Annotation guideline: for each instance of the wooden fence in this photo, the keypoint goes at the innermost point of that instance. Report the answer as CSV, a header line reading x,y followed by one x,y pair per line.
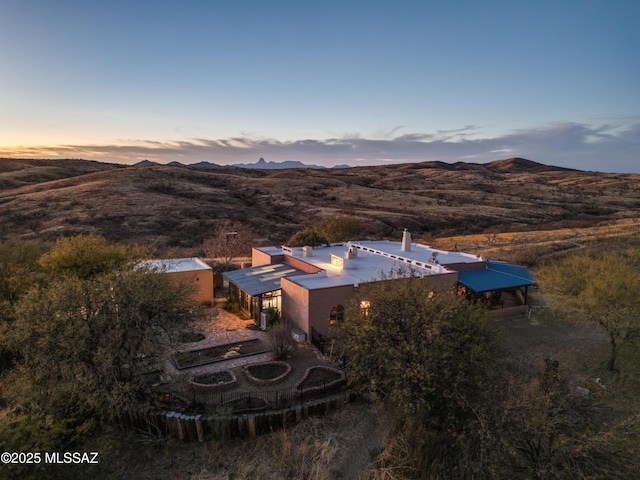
x,y
199,427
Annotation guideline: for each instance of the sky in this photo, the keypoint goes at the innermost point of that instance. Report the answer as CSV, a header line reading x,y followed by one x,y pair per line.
x,y
326,83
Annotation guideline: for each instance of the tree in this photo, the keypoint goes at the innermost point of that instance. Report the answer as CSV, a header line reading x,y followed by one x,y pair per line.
x,y
435,357
436,360
339,228
104,330
602,289
19,271
551,428
84,340
229,241
330,229
85,256
307,237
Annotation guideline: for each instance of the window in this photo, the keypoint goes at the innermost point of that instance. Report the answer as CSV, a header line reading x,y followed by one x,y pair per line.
x,y
336,314
272,299
364,307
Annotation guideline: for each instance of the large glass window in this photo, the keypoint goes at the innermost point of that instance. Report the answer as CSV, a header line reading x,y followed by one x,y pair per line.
x,y
245,300
272,300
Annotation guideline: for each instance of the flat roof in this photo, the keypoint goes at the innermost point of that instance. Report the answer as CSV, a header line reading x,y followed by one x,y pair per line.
x,y
496,276
373,260
419,252
376,259
173,265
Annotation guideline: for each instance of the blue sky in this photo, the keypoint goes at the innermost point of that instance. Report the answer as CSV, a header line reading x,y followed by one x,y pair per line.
x,y
324,82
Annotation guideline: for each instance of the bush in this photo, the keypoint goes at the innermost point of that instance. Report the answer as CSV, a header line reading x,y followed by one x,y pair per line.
x,y
282,344
273,317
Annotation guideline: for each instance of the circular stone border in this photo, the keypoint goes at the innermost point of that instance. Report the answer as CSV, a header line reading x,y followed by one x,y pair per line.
x,y
214,387
342,378
269,381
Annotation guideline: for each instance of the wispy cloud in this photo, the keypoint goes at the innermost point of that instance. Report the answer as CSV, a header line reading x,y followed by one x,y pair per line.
x,y
606,147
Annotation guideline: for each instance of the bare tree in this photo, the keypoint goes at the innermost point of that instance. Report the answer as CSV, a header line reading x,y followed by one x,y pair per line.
x,y
229,241
600,288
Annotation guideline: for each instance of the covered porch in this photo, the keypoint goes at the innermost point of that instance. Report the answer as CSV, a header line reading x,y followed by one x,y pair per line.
x,y
501,285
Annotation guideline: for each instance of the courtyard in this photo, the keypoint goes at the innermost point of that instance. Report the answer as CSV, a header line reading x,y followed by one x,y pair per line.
x,y
219,329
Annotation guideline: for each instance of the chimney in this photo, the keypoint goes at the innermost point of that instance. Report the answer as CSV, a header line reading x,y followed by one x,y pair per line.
x,y
351,253
307,251
406,241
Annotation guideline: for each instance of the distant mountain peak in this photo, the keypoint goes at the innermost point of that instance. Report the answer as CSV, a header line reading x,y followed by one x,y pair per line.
x,y
519,165
263,164
145,163
204,164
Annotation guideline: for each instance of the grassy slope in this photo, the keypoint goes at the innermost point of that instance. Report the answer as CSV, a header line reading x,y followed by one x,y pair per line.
x,y
556,211
172,206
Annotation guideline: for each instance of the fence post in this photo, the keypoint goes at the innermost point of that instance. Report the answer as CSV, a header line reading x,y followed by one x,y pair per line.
x,y
180,424
251,423
199,429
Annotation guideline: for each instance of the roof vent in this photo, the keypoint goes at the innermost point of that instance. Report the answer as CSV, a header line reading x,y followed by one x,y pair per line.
x,y
406,241
307,251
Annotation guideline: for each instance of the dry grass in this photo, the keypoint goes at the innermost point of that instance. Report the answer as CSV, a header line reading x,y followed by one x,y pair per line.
x,y
524,215
336,446
532,248
177,207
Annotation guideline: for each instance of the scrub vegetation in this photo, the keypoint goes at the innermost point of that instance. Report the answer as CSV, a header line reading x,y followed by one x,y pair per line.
x,y
175,208
81,327
452,396
455,394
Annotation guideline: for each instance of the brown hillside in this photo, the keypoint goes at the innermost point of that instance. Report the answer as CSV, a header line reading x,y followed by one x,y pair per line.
x,y
17,173
177,206
520,165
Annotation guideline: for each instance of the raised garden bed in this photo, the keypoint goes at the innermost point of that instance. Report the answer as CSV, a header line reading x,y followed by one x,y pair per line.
x,y
267,373
217,353
214,382
319,378
247,404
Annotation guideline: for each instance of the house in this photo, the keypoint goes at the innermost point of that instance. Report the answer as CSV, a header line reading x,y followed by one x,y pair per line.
x,y
311,286
192,271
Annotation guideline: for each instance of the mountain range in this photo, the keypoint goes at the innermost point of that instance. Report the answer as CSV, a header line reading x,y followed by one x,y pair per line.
x,y
177,206
261,163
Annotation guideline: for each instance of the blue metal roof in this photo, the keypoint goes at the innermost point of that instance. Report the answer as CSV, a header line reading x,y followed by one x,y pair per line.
x,y
497,276
262,279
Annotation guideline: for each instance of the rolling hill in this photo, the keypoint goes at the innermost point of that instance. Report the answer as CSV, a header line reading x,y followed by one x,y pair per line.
x,y
177,206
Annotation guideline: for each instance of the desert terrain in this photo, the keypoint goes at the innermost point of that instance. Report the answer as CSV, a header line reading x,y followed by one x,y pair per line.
x,y
176,207
511,209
